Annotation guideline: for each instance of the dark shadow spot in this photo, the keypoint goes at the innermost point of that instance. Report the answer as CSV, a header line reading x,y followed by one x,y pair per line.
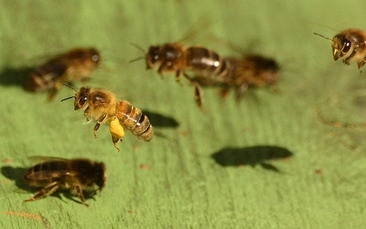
x,y
160,120
16,175
253,155
10,76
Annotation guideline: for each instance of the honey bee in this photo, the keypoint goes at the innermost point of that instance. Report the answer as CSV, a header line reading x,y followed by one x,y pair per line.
x,y
74,65
80,176
211,69
104,108
349,45
252,70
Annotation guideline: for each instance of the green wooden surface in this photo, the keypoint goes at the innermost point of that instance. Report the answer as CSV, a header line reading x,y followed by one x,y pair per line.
x,y
173,181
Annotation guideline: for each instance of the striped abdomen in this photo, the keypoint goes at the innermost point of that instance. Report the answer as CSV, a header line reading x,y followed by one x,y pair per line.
x,y
255,70
206,63
134,120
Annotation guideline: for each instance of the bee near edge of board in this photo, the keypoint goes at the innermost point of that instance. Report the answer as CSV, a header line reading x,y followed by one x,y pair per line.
x,y
74,65
103,107
349,45
80,176
211,69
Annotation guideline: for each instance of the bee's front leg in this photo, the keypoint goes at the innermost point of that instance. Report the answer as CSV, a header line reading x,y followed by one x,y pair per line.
x,y
76,190
360,64
241,91
346,61
54,90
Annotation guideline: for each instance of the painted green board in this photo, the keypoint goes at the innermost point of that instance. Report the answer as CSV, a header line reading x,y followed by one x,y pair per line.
x,y
222,168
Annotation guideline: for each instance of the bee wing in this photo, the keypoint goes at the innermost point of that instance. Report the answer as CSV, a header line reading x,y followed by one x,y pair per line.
x,y
55,169
42,59
40,159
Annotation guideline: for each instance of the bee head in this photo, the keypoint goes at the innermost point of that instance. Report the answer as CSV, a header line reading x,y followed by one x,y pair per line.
x,y
94,56
100,175
153,56
166,56
341,46
85,56
81,98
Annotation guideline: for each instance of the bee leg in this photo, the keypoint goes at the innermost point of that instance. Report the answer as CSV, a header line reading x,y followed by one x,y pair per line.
x,y
224,91
86,113
346,61
198,94
54,91
97,125
160,69
76,190
360,64
46,191
241,91
177,75
115,141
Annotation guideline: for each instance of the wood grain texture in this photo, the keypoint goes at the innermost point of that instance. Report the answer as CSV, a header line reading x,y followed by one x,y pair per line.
x,y
176,181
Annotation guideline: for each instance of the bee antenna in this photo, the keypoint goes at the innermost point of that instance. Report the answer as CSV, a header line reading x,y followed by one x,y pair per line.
x,y
139,48
69,86
68,98
137,59
322,36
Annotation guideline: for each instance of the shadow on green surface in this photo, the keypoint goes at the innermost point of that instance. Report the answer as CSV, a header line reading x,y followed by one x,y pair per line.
x,y
252,155
16,174
10,76
160,120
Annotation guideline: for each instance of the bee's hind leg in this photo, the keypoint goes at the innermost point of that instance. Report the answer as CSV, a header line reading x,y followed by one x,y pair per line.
x,y
46,191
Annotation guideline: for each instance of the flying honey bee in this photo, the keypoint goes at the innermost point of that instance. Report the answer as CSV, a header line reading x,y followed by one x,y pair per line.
x,y
80,176
104,108
349,45
211,69
74,65
252,70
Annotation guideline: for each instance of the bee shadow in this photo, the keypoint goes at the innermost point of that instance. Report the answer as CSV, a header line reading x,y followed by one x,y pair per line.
x,y
160,120
10,76
252,155
16,174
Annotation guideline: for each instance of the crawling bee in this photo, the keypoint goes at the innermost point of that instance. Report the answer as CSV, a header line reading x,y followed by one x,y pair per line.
x,y
74,65
349,45
78,175
210,69
103,107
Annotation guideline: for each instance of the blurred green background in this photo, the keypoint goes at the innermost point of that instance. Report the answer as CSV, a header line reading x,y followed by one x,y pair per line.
x,y
266,162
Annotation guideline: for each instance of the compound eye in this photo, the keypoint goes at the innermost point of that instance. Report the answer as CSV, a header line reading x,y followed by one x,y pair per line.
x,y
95,58
156,57
346,46
154,54
82,100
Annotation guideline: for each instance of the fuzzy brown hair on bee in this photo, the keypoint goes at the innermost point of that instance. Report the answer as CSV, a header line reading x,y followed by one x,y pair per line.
x,y
208,68
66,68
103,107
349,45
